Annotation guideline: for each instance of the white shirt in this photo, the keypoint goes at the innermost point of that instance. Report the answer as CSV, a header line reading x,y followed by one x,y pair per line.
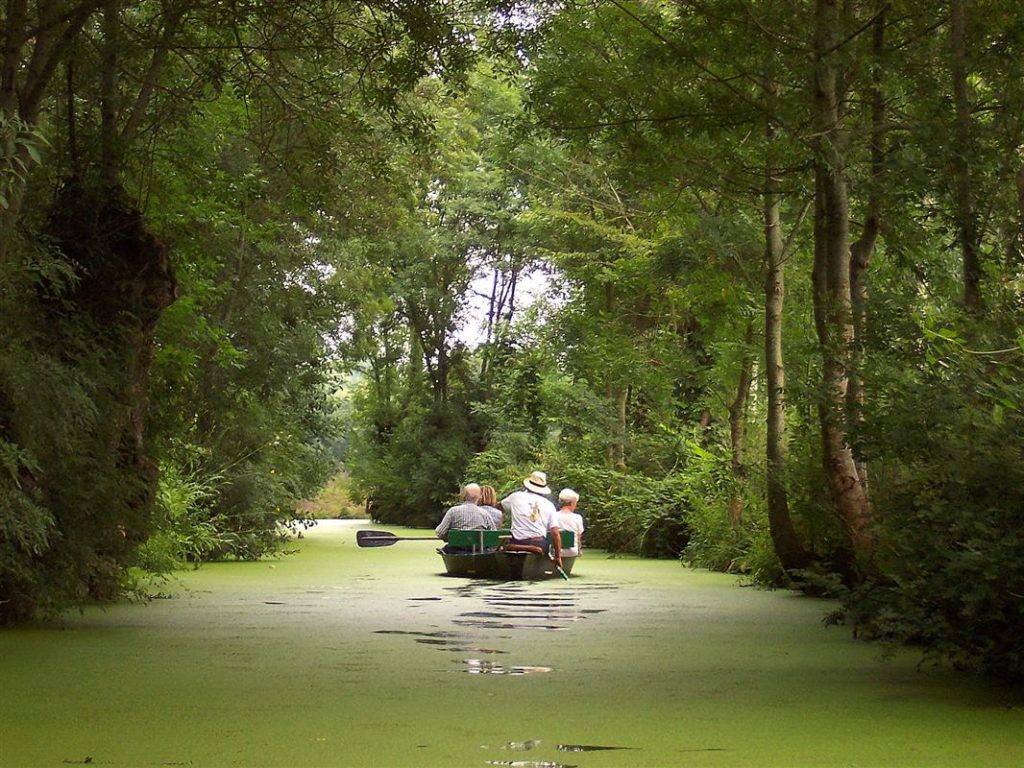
x,y
571,521
532,514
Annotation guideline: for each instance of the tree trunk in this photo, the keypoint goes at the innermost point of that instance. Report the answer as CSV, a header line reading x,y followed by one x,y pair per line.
x,y
785,541
863,249
109,151
32,49
1014,251
622,401
126,284
968,230
738,429
832,291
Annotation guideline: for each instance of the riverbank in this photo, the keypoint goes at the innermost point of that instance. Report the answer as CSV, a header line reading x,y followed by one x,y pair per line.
x,y
336,656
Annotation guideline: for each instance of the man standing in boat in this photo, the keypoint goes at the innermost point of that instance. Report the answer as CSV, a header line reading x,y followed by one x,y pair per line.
x,y
533,516
465,516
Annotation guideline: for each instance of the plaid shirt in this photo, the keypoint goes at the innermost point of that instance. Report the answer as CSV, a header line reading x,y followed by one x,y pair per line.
x,y
465,517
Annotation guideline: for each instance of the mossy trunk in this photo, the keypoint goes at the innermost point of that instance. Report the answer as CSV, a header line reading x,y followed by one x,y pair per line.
x,y
126,282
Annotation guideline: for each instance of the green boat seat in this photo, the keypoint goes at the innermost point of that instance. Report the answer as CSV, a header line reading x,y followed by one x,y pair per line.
x,y
475,540
568,539
482,540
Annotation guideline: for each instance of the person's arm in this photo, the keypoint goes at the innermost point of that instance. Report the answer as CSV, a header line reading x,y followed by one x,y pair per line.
x,y
557,534
443,526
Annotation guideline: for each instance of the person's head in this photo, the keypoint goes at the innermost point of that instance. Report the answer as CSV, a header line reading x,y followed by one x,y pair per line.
x,y
567,497
488,496
537,482
471,493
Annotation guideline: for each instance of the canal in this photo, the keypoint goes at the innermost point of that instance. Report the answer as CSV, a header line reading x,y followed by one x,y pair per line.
x,y
338,656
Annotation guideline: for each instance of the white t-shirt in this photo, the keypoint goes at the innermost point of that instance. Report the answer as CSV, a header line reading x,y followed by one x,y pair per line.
x,y
532,514
571,521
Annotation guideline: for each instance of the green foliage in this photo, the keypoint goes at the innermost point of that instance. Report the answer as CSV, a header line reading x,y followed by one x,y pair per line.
x,y
26,527
945,440
715,543
20,145
184,534
241,364
70,512
416,470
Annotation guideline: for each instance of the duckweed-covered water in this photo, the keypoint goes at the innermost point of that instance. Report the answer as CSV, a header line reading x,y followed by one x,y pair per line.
x,y
337,656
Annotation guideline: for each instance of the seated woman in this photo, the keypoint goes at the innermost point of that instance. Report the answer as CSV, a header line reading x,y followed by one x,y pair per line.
x,y
570,520
489,503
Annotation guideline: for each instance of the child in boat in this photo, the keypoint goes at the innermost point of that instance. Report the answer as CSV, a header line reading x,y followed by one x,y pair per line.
x,y
570,520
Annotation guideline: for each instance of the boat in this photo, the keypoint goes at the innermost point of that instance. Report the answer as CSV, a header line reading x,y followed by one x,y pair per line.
x,y
487,555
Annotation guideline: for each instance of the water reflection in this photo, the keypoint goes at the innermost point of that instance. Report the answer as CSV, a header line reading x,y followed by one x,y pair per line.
x,y
586,748
485,667
499,625
521,746
506,606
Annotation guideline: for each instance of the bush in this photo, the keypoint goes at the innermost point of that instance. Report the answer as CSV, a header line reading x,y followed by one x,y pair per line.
x,y
950,489
184,534
414,473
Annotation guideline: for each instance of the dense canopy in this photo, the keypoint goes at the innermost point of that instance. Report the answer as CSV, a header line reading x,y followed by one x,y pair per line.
x,y
748,275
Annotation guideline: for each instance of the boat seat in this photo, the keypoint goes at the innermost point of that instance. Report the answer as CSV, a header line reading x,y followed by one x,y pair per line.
x,y
480,541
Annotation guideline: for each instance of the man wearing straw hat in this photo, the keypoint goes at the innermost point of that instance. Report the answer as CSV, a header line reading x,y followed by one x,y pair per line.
x,y
533,516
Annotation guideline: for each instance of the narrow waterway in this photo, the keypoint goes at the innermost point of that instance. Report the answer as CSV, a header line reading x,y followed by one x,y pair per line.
x,y
339,656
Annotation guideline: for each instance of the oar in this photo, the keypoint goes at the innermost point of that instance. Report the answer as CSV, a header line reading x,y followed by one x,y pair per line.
x,y
386,538
538,551
558,568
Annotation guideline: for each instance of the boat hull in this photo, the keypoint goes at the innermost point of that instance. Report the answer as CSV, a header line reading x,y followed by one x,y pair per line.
x,y
503,566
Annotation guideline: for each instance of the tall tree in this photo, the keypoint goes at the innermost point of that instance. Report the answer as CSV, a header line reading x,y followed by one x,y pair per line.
x,y
831,278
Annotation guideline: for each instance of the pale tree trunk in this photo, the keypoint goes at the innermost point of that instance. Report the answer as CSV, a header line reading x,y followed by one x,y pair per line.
x,y
863,249
832,292
617,397
738,429
615,452
968,229
622,401
1014,250
785,540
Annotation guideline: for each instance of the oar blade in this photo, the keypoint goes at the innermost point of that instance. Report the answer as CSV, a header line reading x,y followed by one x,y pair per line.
x,y
375,538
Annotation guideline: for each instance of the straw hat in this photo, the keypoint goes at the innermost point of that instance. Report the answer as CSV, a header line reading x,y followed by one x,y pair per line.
x,y
537,482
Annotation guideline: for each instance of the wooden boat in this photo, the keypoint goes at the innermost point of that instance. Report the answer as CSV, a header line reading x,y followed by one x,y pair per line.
x,y
476,554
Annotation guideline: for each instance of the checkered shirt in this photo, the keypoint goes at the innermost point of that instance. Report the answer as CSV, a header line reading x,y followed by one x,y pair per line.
x,y
466,517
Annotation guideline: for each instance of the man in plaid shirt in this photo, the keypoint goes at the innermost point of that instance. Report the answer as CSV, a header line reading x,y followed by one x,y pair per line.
x,y
466,516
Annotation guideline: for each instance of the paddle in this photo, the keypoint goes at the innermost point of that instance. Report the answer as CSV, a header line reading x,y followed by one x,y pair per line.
x,y
386,538
558,568
537,551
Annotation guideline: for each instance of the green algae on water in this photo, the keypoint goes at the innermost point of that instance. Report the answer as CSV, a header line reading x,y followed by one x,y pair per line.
x,y
315,659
